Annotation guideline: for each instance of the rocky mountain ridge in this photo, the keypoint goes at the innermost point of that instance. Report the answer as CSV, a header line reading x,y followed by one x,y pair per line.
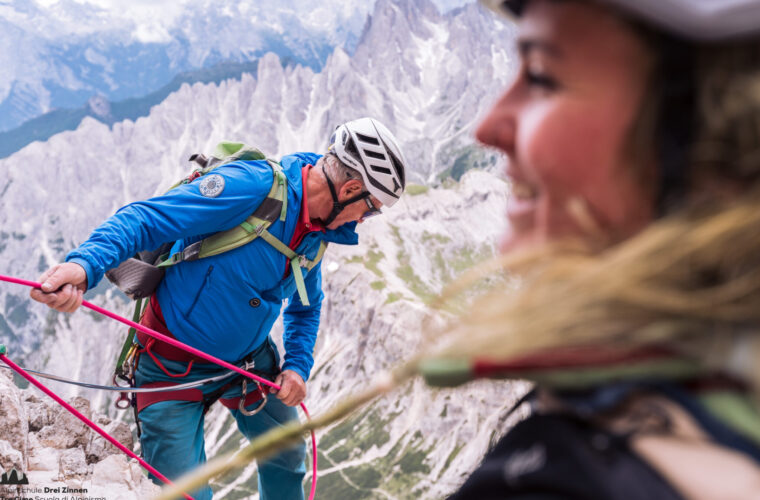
x,y
75,50
428,81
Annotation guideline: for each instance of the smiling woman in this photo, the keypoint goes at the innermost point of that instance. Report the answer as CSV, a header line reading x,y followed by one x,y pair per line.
x,y
640,147
589,71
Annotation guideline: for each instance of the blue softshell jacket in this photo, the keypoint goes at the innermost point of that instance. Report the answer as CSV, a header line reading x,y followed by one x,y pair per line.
x,y
224,305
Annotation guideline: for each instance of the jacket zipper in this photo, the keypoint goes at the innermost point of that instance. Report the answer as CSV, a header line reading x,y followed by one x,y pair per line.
x,y
200,290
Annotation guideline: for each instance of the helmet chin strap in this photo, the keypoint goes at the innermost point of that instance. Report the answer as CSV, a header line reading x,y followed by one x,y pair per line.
x,y
338,207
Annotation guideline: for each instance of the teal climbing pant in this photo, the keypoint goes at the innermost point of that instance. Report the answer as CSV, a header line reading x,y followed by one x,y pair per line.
x,y
172,431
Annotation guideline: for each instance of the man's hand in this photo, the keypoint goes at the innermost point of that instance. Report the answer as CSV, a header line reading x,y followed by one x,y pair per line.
x,y
63,286
292,388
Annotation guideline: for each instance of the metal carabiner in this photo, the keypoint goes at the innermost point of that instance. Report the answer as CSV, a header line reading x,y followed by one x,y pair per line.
x,y
249,365
241,406
123,402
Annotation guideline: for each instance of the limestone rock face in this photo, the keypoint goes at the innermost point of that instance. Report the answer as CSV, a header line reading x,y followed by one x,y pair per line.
x,y
98,448
72,464
10,458
14,425
44,459
38,413
54,448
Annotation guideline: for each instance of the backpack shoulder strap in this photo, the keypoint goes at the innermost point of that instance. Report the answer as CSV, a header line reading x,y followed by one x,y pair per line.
x,y
296,262
273,206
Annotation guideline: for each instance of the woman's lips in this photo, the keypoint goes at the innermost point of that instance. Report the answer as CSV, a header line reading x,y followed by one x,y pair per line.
x,y
521,207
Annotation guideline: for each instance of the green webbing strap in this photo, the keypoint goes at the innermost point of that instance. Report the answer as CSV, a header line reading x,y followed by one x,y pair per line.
x,y
281,185
320,254
278,245
248,226
131,335
246,231
284,209
2,349
300,284
167,260
295,263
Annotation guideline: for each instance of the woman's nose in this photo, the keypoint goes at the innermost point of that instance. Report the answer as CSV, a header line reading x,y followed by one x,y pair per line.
x,y
498,128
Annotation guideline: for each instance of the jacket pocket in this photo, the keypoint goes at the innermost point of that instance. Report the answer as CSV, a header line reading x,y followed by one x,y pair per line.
x,y
203,286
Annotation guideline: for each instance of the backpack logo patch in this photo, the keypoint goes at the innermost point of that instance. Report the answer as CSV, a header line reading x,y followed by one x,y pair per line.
x,y
212,185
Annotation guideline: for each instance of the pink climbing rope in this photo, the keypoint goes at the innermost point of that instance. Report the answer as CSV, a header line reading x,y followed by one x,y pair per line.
x,y
84,419
179,345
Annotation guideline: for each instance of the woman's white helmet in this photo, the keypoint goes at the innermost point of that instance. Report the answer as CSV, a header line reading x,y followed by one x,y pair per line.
x,y
703,20
368,147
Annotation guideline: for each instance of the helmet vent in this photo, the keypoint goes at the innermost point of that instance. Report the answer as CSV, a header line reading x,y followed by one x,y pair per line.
x,y
350,148
382,170
367,139
373,154
398,167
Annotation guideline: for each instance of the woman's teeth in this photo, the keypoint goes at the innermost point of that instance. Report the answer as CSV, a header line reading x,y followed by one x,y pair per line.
x,y
523,191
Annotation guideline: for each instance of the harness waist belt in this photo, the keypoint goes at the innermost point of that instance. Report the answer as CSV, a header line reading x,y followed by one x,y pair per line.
x,y
154,319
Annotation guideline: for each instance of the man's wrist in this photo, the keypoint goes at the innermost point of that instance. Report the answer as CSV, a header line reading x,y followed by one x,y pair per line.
x,y
296,370
87,269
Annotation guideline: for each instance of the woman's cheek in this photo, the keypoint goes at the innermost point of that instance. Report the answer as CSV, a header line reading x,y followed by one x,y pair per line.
x,y
555,144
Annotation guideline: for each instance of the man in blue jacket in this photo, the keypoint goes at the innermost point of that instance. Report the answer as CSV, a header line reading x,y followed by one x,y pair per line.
x,y
225,305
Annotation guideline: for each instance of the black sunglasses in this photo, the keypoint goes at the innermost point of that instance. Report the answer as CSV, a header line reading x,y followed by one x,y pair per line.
x,y
372,210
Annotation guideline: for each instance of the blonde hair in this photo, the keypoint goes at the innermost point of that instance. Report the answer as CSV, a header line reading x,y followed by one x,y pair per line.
x,y
690,281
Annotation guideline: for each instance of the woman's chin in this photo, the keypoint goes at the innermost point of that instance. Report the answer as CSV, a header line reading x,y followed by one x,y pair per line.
x,y
515,241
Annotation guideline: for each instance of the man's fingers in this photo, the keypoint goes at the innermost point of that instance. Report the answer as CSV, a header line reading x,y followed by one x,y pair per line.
x,y
36,294
285,389
71,297
44,276
39,296
292,388
67,298
61,300
278,382
52,280
62,287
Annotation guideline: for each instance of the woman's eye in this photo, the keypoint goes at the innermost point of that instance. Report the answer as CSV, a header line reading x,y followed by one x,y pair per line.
x,y
541,81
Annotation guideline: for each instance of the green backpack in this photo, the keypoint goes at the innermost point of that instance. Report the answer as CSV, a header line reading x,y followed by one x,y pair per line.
x,y
138,277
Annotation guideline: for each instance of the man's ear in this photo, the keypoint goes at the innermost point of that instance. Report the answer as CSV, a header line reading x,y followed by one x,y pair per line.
x,y
351,188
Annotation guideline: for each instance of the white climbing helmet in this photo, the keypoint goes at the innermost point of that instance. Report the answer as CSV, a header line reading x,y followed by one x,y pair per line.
x,y
704,20
367,146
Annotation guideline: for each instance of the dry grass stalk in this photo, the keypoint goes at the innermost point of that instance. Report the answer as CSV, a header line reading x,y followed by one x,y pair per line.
x,y
691,281
683,281
277,439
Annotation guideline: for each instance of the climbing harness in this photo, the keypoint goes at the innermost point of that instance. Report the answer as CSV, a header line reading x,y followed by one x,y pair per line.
x,y
242,404
164,338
